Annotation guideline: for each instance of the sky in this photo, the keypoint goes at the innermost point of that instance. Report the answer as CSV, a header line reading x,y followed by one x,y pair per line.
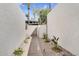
x,y
24,7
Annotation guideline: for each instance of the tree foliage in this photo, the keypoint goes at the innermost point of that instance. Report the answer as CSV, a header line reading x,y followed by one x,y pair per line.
x,y
42,13
43,16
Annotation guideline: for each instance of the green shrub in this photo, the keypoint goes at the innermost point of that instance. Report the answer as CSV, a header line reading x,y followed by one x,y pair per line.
x,y
18,52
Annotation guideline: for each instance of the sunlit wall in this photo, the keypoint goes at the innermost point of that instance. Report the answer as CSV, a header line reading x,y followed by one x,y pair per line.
x,y
12,26
63,22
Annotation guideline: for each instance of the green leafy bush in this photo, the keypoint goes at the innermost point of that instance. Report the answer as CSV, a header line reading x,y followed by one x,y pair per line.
x,y
18,52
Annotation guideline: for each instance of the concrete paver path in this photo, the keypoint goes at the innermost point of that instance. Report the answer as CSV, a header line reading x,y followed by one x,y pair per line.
x,y
34,49
40,48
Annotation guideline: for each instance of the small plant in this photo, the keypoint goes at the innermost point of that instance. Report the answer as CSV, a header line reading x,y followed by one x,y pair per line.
x,y
56,46
28,38
45,37
25,41
18,52
46,40
55,41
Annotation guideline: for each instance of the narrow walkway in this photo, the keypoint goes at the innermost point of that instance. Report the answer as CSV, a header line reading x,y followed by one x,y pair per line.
x,y
40,48
35,47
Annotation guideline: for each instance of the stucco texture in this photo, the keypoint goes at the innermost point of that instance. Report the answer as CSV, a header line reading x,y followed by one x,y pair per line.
x,y
12,27
63,22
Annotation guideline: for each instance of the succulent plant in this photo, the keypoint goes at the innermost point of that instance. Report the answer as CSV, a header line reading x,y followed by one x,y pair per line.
x,y
56,47
55,41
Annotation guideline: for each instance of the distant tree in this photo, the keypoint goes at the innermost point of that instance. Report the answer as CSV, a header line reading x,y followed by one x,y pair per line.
x,y
36,12
43,16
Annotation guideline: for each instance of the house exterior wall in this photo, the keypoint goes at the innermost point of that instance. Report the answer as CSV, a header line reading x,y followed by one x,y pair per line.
x,y
12,28
41,30
63,22
30,30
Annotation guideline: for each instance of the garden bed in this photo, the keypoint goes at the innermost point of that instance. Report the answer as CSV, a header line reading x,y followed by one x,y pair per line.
x,y
24,47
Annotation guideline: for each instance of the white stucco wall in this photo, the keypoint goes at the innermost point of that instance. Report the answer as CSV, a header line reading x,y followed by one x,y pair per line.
x,y
63,22
30,30
12,28
41,29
